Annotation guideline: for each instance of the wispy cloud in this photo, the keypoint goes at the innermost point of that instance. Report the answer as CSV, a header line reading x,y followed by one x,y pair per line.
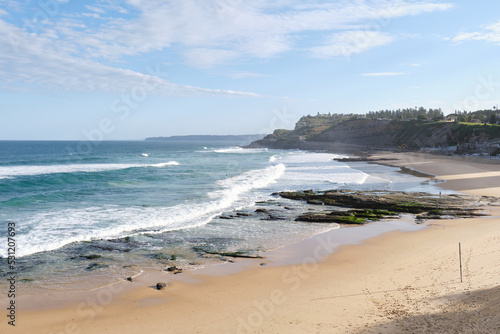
x,y
94,15
38,61
382,74
96,9
351,42
490,33
71,51
210,32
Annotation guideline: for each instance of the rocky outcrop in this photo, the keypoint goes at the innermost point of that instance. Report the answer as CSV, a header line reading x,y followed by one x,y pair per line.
x,y
377,205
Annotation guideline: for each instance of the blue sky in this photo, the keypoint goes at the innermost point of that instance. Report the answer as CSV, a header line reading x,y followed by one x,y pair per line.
x,y
112,69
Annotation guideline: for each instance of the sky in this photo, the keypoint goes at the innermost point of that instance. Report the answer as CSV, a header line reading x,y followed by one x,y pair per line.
x,y
118,70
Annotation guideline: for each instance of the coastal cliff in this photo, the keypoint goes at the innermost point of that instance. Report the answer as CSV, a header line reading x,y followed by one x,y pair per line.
x,y
379,133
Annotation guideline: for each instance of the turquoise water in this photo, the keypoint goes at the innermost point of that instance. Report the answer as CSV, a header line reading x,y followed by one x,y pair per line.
x,y
124,203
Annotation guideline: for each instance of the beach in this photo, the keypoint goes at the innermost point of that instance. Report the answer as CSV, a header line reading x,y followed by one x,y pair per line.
x,y
249,167
397,282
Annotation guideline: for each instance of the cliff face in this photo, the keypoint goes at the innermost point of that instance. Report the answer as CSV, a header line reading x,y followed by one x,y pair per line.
x,y
387,133
379,133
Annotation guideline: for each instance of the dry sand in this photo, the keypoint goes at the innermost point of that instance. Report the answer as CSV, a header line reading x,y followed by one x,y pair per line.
x,y
396,283
474,176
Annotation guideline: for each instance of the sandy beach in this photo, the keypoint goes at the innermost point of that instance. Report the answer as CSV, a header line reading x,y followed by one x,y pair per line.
x,y
399,282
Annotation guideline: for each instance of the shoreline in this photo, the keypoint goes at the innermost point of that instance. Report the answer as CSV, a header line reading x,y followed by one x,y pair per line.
x,y
66,296
277,295
476,176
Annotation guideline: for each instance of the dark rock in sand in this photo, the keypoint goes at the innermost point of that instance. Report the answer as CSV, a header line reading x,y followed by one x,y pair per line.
x,y
174,270
129,279
238,215
161,286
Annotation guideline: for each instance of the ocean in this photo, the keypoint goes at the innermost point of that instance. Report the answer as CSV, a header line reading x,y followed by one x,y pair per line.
x,y
116,209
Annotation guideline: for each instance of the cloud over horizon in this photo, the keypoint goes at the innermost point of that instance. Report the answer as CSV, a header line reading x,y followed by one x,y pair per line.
x,y
91,49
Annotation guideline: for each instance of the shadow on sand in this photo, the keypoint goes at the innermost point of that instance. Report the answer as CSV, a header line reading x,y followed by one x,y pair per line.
x,y
477,312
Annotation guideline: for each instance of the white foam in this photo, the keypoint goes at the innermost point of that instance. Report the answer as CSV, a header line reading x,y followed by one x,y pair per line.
x,y
240,150
12,171
349,176
253,179
163,164
307,157
318,170
53,230
145,155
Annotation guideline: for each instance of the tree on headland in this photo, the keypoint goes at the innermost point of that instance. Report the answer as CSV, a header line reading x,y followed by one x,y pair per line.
x,y
479,116
493,118
407,114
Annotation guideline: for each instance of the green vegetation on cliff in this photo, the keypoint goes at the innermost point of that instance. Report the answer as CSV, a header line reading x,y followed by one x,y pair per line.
x,y
464,131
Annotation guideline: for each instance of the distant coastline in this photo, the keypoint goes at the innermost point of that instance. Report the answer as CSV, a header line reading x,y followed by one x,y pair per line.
x,y
208,138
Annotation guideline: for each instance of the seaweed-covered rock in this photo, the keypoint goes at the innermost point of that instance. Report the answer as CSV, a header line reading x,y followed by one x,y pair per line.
x,y
240,254
346,217
94,266
161,256
273,217
397,201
